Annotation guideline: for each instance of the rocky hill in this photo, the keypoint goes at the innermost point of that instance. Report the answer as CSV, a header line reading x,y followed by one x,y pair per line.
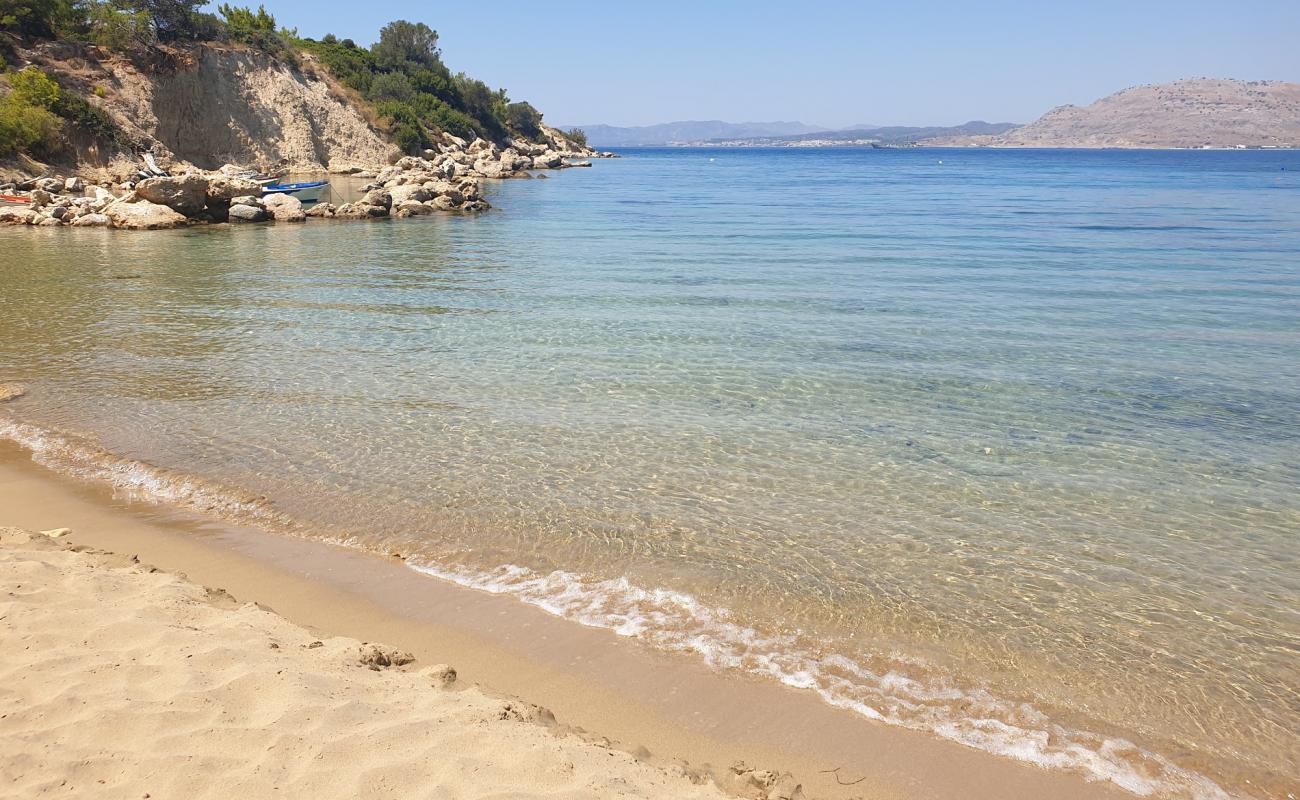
x,y
1200,112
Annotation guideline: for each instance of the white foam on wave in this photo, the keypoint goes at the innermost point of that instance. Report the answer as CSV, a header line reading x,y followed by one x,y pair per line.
x,y
679,622
133,479
973,717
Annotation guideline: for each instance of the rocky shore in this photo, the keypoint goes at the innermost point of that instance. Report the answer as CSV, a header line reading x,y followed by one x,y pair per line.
x,y
447,179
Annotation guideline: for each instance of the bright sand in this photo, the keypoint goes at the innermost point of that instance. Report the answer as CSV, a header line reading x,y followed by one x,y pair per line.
x,y
122,681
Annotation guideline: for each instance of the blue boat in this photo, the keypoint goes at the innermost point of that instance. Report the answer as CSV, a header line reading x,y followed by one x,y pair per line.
x,y
308,192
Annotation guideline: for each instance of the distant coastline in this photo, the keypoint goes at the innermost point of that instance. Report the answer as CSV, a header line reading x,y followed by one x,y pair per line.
x,y
1191,114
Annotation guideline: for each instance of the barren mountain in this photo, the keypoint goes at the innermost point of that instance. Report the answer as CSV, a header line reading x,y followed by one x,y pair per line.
x,y
1196,112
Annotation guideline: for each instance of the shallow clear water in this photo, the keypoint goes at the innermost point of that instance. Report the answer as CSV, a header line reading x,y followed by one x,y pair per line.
x,y
1001,445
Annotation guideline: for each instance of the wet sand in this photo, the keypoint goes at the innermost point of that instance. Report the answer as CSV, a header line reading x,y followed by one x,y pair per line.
x,y
664,707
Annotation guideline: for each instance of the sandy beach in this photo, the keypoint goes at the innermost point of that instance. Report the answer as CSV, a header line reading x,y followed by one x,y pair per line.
x,y
147,639
125,681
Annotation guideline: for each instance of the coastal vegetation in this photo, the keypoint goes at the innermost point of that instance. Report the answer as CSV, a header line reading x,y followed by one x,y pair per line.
x,y
37,115
411,93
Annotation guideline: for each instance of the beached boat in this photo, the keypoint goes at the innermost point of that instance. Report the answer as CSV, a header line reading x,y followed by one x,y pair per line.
x,y
308,192
13,200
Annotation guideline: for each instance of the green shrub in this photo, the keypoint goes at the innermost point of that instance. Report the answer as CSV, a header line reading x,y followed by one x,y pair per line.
x,y
35,108
524,120
438,115
33,87
391,86
350,64
91,120
256,28
26,128
576,135
410,138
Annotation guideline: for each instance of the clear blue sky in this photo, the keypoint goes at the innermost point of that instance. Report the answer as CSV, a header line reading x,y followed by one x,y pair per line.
x,y
829,63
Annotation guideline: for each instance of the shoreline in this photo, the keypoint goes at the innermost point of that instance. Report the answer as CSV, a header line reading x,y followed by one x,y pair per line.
x,y
668,705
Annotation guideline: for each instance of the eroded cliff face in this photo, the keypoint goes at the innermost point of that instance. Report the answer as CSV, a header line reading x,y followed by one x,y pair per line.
x,y
209,105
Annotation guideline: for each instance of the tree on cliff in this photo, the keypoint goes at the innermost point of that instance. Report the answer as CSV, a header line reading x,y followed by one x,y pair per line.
x,y
172,19
403,43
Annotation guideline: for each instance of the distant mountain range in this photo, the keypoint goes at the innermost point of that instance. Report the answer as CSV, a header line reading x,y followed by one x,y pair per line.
x,y
889,136
687,131
1199,112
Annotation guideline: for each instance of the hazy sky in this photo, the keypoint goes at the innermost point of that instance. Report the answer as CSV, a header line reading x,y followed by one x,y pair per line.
x,y
829,63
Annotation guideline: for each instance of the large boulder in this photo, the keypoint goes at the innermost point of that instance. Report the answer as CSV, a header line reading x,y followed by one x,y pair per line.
x,y
378,197
284,207
362,210
225,188
411,162
408,193
184,193
411,208
10,215
246,213
143,216
512,161
548,160
322,210
249,200
488,169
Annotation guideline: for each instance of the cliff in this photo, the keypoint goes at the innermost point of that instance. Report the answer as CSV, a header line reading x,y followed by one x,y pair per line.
x,y
215,104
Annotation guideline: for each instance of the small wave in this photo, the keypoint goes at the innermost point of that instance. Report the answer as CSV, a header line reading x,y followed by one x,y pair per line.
x,y
881,690
134,479
675,621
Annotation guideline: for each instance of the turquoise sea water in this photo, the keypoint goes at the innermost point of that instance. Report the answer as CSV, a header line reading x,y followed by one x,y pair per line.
x,y
999,445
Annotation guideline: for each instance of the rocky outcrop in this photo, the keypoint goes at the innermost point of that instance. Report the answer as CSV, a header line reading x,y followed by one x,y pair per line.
x,y
143,215
446,179
184,193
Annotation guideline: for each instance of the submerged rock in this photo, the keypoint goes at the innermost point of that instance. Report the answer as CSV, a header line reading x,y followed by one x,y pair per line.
x,y
91,221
